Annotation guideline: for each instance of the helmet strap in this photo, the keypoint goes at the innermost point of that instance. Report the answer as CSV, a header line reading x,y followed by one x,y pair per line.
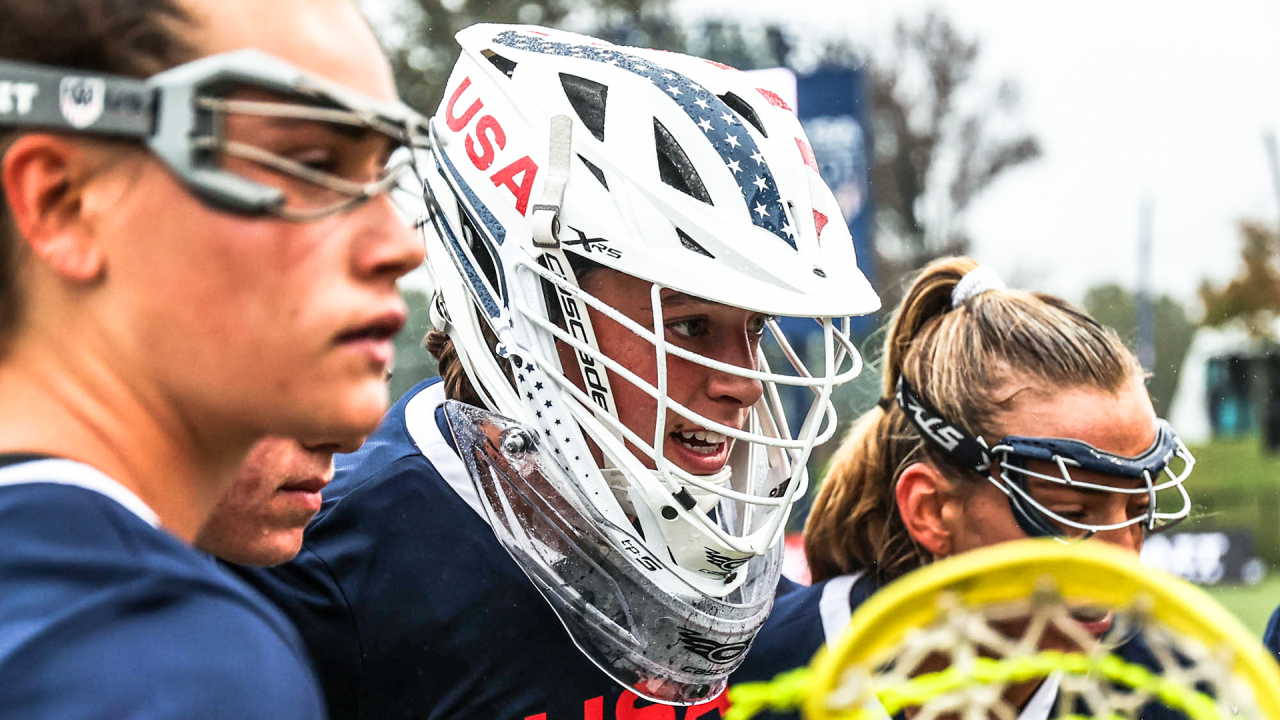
x,y
546,214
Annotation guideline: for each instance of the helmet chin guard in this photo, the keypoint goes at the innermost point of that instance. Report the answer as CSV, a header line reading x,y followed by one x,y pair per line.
x,y
623,607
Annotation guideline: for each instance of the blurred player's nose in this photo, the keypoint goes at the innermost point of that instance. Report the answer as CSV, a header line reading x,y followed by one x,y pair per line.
x,y
388,246
1130,537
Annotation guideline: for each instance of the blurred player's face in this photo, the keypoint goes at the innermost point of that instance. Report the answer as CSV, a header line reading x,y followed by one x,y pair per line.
x,y
729,335
264,325
977,513
276,493
1122,423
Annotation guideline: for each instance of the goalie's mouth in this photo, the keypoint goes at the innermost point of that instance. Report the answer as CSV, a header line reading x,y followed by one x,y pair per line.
x,y
703,442
698,451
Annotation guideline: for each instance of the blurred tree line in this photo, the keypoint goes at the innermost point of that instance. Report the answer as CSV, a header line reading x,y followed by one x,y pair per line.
x,y
1252,297
1116,307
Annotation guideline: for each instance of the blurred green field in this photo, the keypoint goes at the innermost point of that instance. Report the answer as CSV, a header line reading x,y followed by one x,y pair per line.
x,y
1237,485
1252,604
1237,463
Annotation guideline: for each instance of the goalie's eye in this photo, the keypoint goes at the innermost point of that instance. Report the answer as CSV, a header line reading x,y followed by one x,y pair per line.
x,y
689,327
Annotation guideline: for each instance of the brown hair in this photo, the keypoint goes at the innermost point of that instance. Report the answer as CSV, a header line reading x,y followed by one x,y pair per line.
x,y
136,38
953,358
456,384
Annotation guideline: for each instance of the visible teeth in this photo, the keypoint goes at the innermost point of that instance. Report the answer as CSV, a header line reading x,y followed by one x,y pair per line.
x,y
703,436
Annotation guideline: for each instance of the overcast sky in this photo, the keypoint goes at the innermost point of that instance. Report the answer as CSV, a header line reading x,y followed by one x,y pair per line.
x,y
1131,100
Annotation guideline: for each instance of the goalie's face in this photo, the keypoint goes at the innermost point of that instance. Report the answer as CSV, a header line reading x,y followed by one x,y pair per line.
x,y
718,332
1122,423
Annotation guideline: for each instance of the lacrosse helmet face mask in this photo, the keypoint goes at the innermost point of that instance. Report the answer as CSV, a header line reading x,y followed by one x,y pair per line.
x,y
555,152
188,117
1165,465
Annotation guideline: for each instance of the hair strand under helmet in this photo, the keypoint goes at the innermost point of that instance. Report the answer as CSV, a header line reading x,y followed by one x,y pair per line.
x,y
554,154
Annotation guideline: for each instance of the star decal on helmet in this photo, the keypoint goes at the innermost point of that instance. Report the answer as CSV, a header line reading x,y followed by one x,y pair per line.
x,y
702,107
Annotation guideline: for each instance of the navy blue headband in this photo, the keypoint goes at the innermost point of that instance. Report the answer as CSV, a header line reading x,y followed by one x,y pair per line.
x,y
961,448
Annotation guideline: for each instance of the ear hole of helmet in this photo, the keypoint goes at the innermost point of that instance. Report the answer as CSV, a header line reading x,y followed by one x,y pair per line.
x,y
581,268
674,166
480,250
741,107
588,99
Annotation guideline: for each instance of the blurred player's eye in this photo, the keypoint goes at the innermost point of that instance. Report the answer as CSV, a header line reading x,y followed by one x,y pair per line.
x,y
1077,513
319,159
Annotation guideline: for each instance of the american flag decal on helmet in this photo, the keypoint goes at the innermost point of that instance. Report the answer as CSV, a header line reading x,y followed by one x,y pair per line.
x,y
721,125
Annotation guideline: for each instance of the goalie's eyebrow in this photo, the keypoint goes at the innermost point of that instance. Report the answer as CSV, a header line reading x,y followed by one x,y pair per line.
x,y
677,299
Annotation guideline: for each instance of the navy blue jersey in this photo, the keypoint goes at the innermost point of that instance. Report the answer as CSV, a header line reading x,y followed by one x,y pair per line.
x,y
411,607
104,615
805,619
801,621
1272,635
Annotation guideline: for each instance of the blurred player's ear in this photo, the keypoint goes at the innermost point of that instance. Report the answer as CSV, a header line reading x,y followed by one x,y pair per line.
x,y
923,494
44,178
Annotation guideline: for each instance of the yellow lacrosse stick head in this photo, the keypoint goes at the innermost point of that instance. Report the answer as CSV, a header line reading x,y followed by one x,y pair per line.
x,y
946,610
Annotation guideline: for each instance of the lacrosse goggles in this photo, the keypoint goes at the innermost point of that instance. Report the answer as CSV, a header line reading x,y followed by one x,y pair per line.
x,y
1167,458
246,132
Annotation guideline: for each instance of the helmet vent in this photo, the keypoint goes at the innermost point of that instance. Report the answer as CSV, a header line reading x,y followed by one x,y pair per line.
x,y
741,107
595,171
506,66
588,99
674,166
692,244
480,251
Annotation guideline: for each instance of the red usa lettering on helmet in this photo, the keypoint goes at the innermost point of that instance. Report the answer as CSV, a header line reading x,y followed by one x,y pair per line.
x,y
484,143
628,709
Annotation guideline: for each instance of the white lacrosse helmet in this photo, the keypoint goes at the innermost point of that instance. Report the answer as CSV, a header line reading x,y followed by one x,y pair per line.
x,y
553,149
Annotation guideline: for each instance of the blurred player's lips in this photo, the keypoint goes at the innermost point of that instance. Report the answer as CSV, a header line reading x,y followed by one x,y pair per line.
x,y
1095,621
305,493
373,336
306,485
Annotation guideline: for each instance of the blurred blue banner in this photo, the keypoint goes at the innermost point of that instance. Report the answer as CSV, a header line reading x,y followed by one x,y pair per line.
x,y
834,108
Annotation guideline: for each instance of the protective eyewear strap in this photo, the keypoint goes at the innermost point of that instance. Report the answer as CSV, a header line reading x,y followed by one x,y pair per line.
x,y
959,447
68,100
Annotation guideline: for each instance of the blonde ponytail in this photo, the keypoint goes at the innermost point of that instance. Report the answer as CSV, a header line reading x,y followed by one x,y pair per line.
x,y
955,357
